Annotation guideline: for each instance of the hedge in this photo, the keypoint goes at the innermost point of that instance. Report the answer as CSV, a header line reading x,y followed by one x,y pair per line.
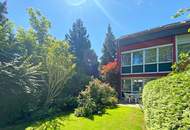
x,y
167,102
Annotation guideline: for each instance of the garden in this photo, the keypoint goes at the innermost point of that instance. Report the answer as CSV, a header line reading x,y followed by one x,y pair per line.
x,y
52,84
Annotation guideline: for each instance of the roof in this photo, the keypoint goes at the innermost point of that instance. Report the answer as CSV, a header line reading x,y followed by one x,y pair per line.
x,y
154,33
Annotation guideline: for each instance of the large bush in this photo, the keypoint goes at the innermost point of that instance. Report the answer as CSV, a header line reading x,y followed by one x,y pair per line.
x,y
95,98
166,102
19,90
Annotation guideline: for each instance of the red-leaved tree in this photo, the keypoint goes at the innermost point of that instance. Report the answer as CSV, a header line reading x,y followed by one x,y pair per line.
x,y
110,74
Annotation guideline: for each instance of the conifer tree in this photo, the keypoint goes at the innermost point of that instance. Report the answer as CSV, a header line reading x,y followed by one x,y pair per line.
x,y
109,47
86,58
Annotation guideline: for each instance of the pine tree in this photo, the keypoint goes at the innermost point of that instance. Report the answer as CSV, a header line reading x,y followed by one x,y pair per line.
x,y
3,12
109,48
86,58
7,39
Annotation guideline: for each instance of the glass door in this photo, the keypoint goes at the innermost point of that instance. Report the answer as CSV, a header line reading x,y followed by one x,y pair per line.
x,y
137,85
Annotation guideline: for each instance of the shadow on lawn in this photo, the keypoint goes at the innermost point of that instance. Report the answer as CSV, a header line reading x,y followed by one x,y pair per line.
x,y
53,122
103,112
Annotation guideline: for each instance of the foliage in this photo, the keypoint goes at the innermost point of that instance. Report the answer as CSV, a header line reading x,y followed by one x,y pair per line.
x,y
18,89
3,12
66,103
28,57
49,61
60,68
110,73
87,107
40,24
109,67
183,63
27,41
86,59
8,47
109,48
121,118
181,12
96,97
166,102
67,99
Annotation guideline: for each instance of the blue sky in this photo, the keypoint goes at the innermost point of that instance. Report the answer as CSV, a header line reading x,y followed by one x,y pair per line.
x,y
125,16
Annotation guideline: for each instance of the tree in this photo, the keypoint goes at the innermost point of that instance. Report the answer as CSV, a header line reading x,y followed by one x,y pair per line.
x,y
3,12
109,47
181,12
109,67
60,68
19,94
81,48
7,39
110,73
40,24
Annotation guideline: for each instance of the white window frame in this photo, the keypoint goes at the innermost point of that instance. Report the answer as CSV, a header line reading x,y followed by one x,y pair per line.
x,y
132,79
157,59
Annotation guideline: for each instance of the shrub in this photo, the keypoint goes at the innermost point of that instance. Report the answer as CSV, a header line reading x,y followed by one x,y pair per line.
x,y
67,103
87,107
183,63
96,97
19,85
166,102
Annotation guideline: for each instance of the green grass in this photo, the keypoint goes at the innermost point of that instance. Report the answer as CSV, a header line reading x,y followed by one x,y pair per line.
x,y
121,118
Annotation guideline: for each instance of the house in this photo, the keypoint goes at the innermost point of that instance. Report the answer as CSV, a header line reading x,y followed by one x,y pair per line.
x,y
149,54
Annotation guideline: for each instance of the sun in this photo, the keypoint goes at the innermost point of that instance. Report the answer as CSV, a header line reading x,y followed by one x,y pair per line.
x,y
75,2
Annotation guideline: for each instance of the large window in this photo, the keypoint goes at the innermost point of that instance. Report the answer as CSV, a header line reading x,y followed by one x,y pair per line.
x,y
150,56
183,44
138,58
126,63
137,66
148,60
165,54
151,60
183,48
127,85
126,59
135,85
165,58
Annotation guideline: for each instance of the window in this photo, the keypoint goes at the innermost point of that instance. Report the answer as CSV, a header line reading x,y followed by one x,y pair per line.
x,y
126,59
165,59
127,85
137,85
183,48
137,62
150,56
183,43
148,60
165,54
151,60
126,63
138,58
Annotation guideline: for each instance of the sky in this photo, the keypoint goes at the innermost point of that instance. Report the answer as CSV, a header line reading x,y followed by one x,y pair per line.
x,y
125,16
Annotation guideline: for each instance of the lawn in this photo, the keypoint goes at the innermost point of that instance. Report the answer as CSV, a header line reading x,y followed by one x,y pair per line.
x,y
121,118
